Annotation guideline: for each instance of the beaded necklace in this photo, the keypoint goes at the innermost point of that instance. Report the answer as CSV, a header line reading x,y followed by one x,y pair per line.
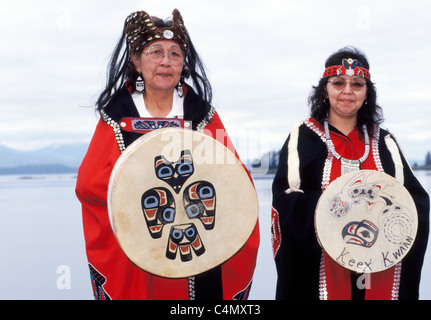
x,y
347,165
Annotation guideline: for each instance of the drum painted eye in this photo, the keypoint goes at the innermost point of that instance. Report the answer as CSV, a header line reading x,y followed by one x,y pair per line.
x,y
355,192
190,232
371,194
206,192
366,234
151,202
165,172
177,234
168,215
193,211
185,168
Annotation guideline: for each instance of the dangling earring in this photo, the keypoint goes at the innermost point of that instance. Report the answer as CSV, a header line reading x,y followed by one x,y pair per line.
x,y
140,84
180,90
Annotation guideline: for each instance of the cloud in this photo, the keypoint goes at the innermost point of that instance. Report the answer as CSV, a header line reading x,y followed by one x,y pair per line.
x,y
263,57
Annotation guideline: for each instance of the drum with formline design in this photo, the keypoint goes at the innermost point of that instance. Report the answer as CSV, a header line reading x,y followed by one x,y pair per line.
x,y
180,203
366,221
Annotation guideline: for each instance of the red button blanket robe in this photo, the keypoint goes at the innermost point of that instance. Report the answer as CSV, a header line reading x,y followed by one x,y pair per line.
x,y
113,276
306,168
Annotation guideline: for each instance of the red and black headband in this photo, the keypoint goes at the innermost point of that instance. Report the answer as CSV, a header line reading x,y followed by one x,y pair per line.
x,y
349,67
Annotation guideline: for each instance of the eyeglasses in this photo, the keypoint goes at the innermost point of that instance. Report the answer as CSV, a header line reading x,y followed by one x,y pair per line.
x,y
356,83
156,54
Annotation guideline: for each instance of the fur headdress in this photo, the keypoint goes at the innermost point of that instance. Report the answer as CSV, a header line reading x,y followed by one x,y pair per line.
x,y
141,29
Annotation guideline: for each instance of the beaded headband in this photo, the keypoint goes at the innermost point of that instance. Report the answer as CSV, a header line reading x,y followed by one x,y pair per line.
x,y
141,30
349,67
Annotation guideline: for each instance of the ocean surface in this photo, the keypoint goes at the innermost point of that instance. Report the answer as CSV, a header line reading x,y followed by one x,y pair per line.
x,y
42,244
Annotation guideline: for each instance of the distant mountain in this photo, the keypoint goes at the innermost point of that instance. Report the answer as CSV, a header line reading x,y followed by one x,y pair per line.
x,y
52,159
38,169
67,158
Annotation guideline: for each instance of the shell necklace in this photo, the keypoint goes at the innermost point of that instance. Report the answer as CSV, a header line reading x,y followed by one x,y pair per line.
x,y
347,165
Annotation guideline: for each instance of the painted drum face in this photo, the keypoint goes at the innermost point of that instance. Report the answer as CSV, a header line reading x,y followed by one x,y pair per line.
x,y
362,233
200,203
159,209
174,173
184,238
180,203
366,221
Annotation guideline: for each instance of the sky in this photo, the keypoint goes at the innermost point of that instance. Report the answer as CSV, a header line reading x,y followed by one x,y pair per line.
x,y
262,58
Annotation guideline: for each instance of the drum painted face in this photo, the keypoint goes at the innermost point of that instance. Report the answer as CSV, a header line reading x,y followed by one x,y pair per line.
x,y
158,207
362,233
174,173
366,221
186,238
200,225
198,200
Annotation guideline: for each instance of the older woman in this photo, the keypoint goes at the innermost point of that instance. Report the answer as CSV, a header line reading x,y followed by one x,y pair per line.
x,y
344,112
147,78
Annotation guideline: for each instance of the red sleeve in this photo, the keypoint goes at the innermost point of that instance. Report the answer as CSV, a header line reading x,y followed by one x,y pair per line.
x,y
95,169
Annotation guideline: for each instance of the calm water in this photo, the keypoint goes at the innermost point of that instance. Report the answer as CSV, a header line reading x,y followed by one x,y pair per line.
x,y
42,247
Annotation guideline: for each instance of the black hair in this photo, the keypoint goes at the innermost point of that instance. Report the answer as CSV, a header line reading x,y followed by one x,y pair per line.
x,y
370,113
122,69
